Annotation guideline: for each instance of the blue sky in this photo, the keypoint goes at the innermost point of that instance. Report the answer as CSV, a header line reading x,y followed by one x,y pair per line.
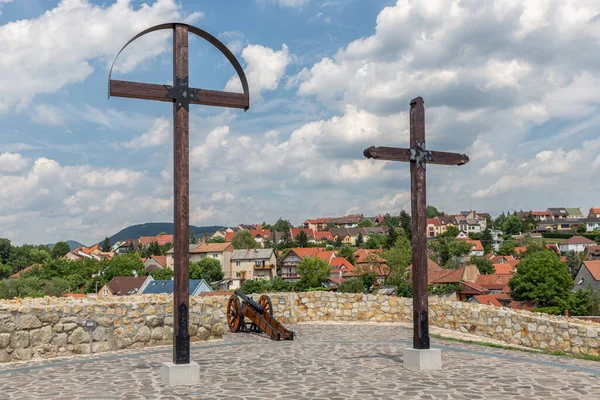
x,y
514,84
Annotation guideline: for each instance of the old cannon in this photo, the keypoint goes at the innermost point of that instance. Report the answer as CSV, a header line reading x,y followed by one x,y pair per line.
x,y
259,314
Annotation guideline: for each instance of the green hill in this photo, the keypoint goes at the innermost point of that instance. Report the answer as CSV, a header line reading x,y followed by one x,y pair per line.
x,y
154,228
73,244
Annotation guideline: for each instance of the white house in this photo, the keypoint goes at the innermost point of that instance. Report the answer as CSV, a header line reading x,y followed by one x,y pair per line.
x,y
578,244
592,224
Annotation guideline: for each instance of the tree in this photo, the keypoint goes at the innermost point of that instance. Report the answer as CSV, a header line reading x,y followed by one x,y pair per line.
x,y
282,225
5,271
398,258
313,271
484,265
347,252
584,302
573,263
60,249
392,237
354,285
243,239
507,248
302,239
5,248
216,239
162,274
390,222
543,278
39,256
433,212
512,225
105,247
267,243
154,249
486,238
597,237
375,241
365,223
128,264
448,249
406,223
193,239
208,269
360,239
451,232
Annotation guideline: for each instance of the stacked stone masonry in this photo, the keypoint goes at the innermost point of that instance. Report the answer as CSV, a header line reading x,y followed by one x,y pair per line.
x,y
50,327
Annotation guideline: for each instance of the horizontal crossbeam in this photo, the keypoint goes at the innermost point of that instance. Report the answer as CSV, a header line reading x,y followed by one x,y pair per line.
x,y
149,91
398,154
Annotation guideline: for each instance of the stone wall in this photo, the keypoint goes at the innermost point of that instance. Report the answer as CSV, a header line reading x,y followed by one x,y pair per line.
x,y
50,327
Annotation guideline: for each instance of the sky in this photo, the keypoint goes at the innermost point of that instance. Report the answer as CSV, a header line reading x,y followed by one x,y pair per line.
x,y
514,84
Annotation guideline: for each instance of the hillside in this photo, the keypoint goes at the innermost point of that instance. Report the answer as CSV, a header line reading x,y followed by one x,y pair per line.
x,y
154,228
73,244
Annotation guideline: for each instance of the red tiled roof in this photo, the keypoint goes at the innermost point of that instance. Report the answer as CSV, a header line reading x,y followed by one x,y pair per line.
x,y
296,231
164,239
433,221
123,285
489,299
522,305
520,249
319,252
578,240
162,260
338,280
450,276
26,269
471,288
540,213
263,233
497,259
431,266
213,247
320,236
504,269
594,210
494,281
593,249
318,220
229,236
368,255
594,268
475,244
341,264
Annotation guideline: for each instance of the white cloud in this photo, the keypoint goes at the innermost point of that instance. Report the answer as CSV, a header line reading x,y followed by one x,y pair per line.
x,y
12,163
264,69
286,3
157,135
494,167
46,114
57,48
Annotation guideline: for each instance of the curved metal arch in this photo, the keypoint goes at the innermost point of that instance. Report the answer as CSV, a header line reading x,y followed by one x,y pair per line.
x,y
198,32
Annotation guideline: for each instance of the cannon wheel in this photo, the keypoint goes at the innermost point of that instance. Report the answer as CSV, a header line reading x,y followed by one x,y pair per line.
x,y
265,302
235,319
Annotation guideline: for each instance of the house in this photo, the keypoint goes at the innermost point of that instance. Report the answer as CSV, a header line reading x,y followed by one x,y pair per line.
x,y
495,283
155,262
125,246
350,235
469,289
431,266
588,275
558,213
445,222
497,300
260,235
541,215
378,219
594,213
219,251
342,268
296,231
252,264
578,244
196,287
318,224
433,227
371,260
469,273
574,213
26,269
593,252
125,285
501,259
506,268
591,224
320,237
476,246
287,265
348,221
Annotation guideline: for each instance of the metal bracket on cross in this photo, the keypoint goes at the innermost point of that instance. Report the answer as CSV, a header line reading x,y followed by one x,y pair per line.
x,y
182,93
420,155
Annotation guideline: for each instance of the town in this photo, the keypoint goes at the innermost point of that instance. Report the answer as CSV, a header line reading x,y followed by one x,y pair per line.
x,y
506,261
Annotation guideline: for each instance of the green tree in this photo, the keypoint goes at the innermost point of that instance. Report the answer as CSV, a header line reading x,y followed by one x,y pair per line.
x,y
354,285
507,248
406,223
286,240
302,239
360,239
243,239
60,249
365,223
375,241
512,225
282,225
398,258
5,248
584,302
573,263
208,269
105,247
448,249
543,278
390,222
392,237
597,236
486,238
39,256
216,239
485,266
313,271
339,242
162,274
347,252
267,243
451,232
433,212
124,265
5,271
193,239
154,249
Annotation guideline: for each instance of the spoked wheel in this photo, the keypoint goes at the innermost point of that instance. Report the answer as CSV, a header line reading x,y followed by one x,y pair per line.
x,y
265,303
235,318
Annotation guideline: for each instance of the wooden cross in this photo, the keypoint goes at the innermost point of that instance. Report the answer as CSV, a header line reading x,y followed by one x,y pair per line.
x,y
181,95
418,157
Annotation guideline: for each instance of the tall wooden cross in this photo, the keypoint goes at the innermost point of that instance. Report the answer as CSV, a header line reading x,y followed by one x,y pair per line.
x,y
181,95
418,157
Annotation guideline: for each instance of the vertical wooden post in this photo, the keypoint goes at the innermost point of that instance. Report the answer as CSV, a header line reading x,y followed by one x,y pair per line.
x,y
419,228
181,337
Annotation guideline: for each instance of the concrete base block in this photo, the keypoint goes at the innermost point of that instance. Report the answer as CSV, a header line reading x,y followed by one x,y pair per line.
x,y
416,359
180,374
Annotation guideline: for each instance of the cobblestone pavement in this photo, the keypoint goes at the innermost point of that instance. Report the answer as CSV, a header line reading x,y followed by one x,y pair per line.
x,y
323,362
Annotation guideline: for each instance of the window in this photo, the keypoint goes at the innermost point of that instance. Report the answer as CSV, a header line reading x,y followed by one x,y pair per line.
x,y
105,291
215,255
238,263
238,274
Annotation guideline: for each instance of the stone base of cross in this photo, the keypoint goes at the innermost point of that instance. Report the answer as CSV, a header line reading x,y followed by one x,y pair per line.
x,y
421,356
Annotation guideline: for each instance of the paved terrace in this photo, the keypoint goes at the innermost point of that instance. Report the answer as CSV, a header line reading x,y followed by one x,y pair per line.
x,y
324,362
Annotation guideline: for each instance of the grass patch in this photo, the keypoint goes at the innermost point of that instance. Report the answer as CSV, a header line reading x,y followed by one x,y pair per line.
x,y
587,357
547,240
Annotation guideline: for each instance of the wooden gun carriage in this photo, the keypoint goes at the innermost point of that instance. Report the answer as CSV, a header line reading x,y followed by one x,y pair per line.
x,y
260,316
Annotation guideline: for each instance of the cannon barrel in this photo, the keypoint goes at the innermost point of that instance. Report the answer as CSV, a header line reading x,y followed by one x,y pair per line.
x,y
249,301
